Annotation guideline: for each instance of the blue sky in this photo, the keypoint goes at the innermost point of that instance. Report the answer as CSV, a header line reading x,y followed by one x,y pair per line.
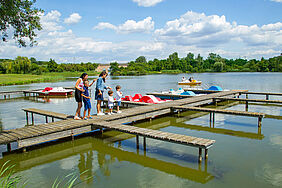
x,y
121,30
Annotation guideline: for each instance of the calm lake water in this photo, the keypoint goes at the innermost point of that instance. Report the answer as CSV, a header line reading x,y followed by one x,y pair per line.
x,y
241,157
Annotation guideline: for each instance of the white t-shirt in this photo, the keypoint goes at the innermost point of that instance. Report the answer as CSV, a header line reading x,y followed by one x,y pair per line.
x,y
80,85
119,95
111,101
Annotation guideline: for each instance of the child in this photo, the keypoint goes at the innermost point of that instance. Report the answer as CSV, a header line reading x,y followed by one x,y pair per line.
x,y
111,102
119,95
86,100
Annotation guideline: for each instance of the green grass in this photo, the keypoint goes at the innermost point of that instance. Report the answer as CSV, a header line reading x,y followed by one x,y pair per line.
x,y
20,79
9,179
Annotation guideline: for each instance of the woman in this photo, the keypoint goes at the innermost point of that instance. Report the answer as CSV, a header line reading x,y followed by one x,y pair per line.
x,y
100,86
78,91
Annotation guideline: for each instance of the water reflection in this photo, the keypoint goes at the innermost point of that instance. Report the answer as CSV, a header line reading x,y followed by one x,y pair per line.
x,y
85,166
106,156
1,125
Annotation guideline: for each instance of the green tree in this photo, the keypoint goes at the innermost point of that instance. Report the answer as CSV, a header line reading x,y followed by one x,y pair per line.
x,y
141,59
22,17
114,68
52,65
218,66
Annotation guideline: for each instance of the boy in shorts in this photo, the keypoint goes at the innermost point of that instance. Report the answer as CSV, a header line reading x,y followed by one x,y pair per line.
x,y
86,100
111,102
119,95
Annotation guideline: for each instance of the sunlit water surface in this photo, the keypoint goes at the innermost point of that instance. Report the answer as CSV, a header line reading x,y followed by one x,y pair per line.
x,y
241,157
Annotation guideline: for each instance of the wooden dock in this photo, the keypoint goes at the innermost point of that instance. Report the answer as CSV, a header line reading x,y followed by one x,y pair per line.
x,y
33,135
45,113
26,93
267,94
230,112
249,100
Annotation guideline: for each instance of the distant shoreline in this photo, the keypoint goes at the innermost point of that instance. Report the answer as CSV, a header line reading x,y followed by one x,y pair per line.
x,y
21,79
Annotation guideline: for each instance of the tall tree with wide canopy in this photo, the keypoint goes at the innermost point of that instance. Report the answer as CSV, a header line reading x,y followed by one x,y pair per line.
x,y
22,18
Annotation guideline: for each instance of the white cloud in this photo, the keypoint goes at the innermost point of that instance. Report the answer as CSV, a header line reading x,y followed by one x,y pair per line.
x,y
278,1
209,31
192,32
147,3
130,26
73,19
50,21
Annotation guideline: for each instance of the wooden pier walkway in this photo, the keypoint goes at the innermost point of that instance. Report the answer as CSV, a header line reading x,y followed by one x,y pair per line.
x,y
31,135
212,112
249,100
45,113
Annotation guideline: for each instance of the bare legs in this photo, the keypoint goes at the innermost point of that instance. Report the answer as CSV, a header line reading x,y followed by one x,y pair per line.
x,y
79,105
98,106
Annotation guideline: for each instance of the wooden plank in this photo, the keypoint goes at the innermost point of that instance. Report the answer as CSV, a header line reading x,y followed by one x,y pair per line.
x,y
249,100
51,137
46,113
232,112
262,93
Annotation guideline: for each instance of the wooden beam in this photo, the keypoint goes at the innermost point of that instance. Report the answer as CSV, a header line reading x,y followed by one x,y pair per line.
x,y
249,100
212,110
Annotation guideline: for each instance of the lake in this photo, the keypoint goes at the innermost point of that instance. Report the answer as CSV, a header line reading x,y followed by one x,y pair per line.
x,y
242,156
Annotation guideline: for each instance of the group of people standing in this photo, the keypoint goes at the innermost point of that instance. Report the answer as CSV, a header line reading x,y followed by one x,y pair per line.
x,y
82,94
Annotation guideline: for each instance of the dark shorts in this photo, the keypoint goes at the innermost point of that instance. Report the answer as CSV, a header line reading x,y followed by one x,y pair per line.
x,y
77,95
98,97
87,104
118,103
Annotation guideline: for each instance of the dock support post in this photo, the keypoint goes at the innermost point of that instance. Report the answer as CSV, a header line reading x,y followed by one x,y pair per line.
x,y
53,119
247,96
200,155
259,121
46,117
9,147
137,142
247,106
32,118
144,144
213,119
26,117
206,154
210,119
267,97
5,97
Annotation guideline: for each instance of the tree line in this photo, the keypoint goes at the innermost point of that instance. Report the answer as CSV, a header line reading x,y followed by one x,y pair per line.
x,y
23,65
192,63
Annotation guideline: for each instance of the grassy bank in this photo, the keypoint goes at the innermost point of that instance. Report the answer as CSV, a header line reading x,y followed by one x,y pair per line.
x,y
20,79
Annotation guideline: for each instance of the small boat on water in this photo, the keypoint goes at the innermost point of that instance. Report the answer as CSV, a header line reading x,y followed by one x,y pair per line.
x,y
192,83
146,99
56,91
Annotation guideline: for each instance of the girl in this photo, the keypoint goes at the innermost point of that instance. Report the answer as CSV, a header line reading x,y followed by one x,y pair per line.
x,y
100,86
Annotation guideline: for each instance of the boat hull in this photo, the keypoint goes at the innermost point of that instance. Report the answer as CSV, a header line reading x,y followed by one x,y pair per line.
x,y
190,83
42,94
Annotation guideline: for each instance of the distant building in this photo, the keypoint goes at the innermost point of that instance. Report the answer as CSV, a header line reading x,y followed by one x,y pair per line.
x,y
106,67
